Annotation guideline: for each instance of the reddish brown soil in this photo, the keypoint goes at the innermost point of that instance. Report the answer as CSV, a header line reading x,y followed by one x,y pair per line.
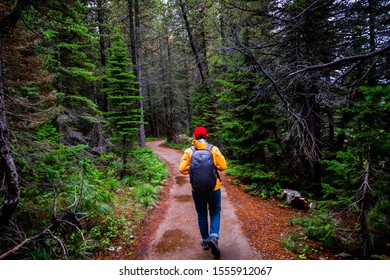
x,y
266,224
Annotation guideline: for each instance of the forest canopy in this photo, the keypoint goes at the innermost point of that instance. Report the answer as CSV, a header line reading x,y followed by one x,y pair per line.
x,y
295,93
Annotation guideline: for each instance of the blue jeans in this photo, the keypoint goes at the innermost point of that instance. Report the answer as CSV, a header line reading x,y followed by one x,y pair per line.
x,y
208,203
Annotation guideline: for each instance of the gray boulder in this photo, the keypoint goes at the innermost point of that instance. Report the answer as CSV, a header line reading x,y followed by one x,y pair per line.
x,y
294,199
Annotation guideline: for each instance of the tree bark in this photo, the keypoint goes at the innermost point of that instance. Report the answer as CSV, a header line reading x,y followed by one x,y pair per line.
x,y
12,188
192,41
102,43
372,23
132,36
203,49
171,132
142,137
365,189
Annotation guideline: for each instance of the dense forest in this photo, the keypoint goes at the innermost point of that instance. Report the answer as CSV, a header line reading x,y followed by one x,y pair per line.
x,y
296,93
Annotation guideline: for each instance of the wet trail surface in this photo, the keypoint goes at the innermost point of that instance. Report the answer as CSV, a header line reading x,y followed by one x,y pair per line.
x,y
251,228
177,235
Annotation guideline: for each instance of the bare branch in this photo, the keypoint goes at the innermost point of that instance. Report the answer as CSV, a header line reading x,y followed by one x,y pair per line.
x,y
360,57
63,218
61,242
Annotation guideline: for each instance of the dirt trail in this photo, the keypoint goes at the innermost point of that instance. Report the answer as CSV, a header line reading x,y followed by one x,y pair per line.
x,y
177,235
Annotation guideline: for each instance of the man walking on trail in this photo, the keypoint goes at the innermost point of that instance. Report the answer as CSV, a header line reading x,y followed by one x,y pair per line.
x,y
202,162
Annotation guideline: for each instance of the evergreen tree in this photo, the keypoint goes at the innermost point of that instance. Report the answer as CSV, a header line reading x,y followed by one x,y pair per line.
x,y
70,43
358,177
123,115
247,122
203,99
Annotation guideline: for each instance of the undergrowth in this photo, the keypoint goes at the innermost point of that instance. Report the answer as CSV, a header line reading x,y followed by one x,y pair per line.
x,y
321,227
254,179
56,178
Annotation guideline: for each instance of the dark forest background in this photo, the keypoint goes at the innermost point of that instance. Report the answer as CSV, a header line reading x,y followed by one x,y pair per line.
x,y
294,92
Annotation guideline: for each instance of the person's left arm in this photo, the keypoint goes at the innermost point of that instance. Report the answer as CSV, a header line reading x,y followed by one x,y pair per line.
x,y
219,159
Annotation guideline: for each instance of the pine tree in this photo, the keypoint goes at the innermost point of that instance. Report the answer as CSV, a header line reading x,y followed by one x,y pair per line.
x,y
247,123
69,42
361,171
123,115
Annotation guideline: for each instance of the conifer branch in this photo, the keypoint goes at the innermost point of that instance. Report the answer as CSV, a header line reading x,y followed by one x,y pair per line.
x,y
360,57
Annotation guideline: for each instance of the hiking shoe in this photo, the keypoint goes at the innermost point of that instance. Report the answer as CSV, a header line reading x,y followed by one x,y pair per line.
x,y
205,245
213,244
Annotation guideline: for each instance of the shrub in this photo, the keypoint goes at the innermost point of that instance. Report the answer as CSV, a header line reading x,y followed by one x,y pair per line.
x,y
321,227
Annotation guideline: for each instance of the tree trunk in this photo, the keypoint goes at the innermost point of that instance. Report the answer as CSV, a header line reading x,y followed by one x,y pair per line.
x,y
102,44
192,41
132,36
171,132
203,48
103,58
12,189
313,139
372,23
142,138
365,188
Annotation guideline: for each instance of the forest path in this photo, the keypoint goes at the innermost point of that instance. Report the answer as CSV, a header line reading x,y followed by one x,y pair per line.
x,y
177,235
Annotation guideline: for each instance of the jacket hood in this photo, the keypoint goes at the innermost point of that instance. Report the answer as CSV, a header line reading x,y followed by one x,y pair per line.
x,y
199,144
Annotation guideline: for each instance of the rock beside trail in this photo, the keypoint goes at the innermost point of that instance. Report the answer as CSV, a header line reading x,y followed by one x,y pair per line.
x,y
294,199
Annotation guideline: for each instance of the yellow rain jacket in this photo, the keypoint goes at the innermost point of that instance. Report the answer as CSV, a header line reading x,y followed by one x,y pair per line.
x,y
219,160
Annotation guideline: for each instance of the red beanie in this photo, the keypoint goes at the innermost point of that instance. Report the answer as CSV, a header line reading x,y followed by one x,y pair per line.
x,y
200,132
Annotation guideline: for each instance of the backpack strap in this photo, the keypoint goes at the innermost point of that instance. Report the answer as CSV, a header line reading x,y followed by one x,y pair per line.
x,y
208,148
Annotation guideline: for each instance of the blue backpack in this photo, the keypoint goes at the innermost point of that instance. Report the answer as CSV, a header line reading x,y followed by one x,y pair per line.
x,y
203,172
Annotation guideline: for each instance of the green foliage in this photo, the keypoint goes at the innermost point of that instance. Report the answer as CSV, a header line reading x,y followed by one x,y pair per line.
x,y
366,154
108,229
251,171
78,247
72,41
368,138
296,243
335,198
321,227
261,183
264,191
62,177
379,220
179,146
204,108
251,109
246,121
83,102
146,193
143,165
292,242
42,253
120,87
48,132
148,173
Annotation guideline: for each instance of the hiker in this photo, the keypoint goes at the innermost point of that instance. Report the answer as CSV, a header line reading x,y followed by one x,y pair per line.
x,y
206,196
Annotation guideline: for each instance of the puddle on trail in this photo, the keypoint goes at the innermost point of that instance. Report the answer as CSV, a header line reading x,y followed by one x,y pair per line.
x,y
183,198
181,180
172,240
